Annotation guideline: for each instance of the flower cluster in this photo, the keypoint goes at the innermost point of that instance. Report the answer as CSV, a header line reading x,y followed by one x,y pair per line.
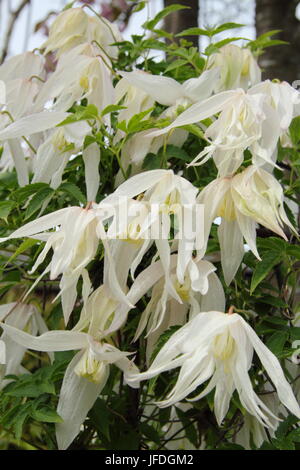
x,y
154,227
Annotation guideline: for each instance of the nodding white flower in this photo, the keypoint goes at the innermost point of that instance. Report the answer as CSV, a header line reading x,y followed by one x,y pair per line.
x,y
238,68
23,317
86,375
201,291
74,27
253,430
281,104
67,31
161,194
22,66
219,347
22,83
249,198
54,153
74,245
81,73
169,92
13,133
143,90
201,288
254,120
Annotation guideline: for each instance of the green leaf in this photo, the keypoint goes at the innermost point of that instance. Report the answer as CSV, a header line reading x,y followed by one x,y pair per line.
x,y
151,162
22,194
190,430
277,341
81,113
112,108
194,129
38,200
269,260
209,32
100,410
176,64
162,14
74,191
31,388
6,208
46,414
150,433
294,250
140,6
28,243
176,152
295,130
212,48
134,123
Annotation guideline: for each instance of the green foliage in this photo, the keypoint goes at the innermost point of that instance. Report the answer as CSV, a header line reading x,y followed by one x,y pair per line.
x,y
123,418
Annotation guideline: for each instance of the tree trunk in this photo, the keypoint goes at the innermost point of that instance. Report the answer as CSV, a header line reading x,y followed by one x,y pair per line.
x,y
282,62
183,19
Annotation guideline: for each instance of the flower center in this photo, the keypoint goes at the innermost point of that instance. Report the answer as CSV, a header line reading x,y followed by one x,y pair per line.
x,y
90,368
223,346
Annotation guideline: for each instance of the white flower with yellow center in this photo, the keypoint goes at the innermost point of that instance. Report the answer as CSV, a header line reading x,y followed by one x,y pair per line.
x,y
219,347
88,371
249,198
238,68
74,27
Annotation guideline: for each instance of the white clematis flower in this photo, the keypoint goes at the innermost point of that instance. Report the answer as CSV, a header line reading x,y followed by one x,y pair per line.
x,y
54,153
74,27
85,377
249,198
161,194
74,246
238,68
81,73
219,347
23,317
169,92
22,66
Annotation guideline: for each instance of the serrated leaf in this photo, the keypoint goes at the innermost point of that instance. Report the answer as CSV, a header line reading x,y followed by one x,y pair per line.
x,y
134,123
277,341
176,152
162,14
5,209
81,113
74,191
263,267
38,200
112,108
176,64
209,32
217,45
28,243
194,129
31,389
46,414
22,194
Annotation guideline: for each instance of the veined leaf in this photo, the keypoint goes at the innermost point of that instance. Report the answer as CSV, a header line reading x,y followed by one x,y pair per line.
x,y
263,267
162,14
